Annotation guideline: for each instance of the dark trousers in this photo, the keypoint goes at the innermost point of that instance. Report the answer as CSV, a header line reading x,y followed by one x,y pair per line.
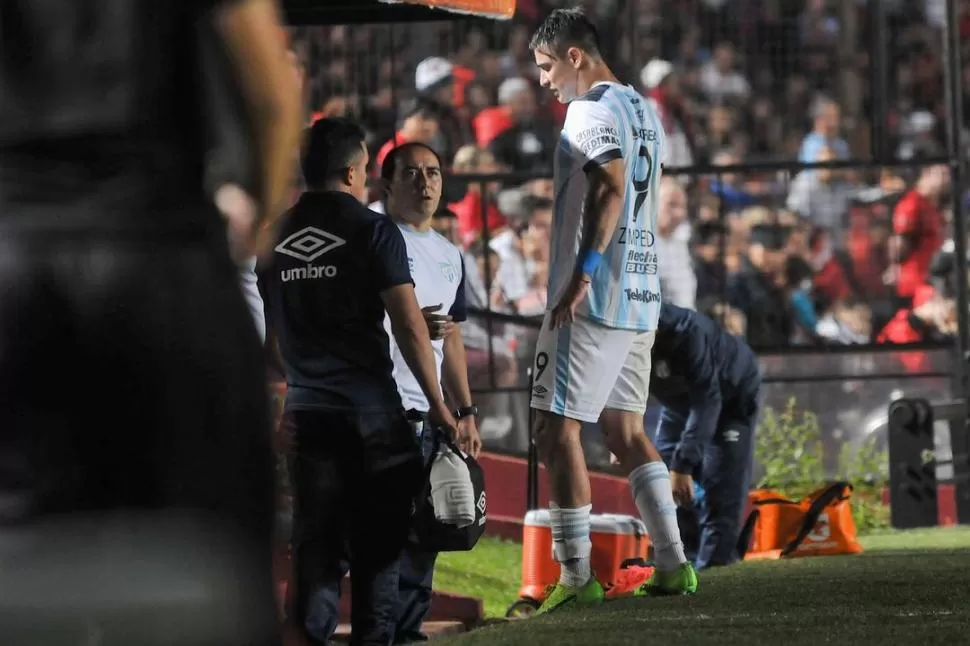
x,y
355,476
725,475
416,571
132,382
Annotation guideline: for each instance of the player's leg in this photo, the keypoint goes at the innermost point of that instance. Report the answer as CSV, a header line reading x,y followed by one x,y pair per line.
x,y
567,390
726,478
622,424
669,426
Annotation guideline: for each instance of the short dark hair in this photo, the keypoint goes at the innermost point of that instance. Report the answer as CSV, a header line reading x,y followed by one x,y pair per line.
x,y
565,28
333,145
390,161
423,107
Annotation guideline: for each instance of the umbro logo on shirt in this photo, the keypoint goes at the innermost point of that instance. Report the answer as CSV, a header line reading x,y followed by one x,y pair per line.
x,y
308,244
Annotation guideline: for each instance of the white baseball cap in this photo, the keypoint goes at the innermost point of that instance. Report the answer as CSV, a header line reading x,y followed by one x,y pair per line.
x,y
654,73
432,72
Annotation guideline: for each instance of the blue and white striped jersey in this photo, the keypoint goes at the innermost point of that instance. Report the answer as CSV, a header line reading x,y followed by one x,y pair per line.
x,y
611,121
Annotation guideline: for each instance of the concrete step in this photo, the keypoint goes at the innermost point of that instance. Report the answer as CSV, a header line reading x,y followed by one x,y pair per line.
x,y
430,628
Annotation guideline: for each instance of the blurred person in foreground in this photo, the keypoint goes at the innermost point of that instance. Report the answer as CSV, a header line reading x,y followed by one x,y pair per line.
x,y
412,177
708,382
115,269
355,464
593,353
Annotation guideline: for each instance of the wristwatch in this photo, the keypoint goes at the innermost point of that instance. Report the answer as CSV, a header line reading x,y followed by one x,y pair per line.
x,y
467,411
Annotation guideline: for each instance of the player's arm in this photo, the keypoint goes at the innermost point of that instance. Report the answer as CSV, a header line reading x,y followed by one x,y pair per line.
x,y
705,406
393,278
593,130
454,367
251,31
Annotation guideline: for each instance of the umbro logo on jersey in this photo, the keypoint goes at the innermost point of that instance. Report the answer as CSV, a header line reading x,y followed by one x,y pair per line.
x,y
540,391
481,504
661,370
308,244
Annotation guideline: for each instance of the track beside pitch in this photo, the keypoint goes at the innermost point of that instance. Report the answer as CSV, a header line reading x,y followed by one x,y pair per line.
x,y
908,588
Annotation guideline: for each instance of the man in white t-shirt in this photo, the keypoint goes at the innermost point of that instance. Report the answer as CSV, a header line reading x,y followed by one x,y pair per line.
x,y
593,352
412,177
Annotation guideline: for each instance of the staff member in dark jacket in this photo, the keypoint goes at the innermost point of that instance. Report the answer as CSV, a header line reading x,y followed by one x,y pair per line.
x,y
708,382
356,465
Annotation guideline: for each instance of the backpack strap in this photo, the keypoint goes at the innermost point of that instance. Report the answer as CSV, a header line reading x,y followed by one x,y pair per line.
x,y
835,491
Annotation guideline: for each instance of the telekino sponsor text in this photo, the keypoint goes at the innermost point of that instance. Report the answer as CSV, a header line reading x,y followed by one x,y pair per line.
x,y
642,296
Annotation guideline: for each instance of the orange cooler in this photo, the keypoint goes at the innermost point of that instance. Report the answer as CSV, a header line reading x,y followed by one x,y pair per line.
x,y
616,538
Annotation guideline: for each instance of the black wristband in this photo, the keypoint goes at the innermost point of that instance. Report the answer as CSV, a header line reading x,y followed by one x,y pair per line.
x,y
467,411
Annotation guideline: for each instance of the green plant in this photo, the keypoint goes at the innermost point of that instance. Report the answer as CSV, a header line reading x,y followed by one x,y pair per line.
x,y
788,446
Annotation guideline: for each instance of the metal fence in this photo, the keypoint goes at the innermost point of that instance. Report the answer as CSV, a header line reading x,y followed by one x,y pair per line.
x,y
880,83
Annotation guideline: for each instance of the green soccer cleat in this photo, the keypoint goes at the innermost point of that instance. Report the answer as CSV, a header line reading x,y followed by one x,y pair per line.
x,y
683,580
561,596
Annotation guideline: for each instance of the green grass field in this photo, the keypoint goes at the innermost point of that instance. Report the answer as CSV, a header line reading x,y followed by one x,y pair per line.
x,y
907,588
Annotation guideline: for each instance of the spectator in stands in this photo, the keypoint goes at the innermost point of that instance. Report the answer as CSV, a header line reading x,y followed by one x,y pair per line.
x,y
917,232
420,123
662,86
445,222
934,320
707,262
678,283
720,79
826,128
822,197
728,186
847,322
477,209
918,136
720,133
434,80
758,288
529,143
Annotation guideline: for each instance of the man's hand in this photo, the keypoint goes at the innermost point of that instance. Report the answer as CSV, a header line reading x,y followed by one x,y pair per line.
x,y
439,325
564,312
682,485
442,418
472,441
239,210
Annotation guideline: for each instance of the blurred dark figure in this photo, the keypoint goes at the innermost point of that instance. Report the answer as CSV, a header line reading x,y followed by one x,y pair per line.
x,y
708,263
758,289
135,459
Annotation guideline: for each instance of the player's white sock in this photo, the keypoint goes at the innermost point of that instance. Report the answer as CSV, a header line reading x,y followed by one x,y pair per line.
x,y
571,544
650,484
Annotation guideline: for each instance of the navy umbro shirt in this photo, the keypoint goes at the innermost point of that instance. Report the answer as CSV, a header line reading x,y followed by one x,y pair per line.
x,y
333,259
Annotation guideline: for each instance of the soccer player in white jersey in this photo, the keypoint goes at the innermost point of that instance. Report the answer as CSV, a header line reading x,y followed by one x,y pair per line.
x,y
593,355
412,177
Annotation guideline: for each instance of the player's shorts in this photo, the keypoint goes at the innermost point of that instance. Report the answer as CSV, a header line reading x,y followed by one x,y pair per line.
x,y
583,368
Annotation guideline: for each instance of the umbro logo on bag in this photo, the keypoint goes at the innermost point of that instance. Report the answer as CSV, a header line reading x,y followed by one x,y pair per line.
x,y
308,244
